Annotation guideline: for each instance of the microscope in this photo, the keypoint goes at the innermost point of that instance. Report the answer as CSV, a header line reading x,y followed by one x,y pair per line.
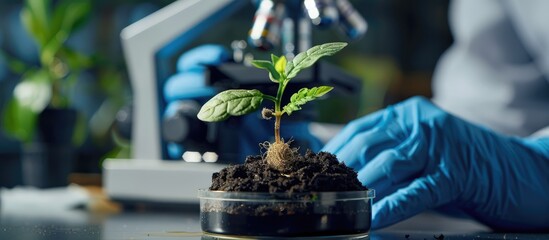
x,y
173,153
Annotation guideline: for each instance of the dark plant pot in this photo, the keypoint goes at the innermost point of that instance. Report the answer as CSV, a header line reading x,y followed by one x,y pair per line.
x,y
48,161
56,126
322,214
11,170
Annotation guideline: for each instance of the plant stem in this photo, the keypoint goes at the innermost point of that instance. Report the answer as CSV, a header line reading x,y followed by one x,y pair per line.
x,y
55,101
278,113
277,127
269,97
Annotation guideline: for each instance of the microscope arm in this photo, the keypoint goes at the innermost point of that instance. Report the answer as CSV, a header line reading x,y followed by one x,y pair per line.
x,y
176,25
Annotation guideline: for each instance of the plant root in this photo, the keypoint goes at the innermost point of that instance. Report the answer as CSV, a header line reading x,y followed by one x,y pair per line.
x,y
279,154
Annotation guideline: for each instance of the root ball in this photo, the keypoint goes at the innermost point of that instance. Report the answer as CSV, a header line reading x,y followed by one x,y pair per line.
x,y
279,154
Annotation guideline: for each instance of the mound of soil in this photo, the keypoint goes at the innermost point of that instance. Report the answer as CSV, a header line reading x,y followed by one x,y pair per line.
x,y
311,172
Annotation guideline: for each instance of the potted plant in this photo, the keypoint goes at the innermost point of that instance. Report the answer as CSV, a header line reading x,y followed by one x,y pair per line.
x,y
39,113
282,193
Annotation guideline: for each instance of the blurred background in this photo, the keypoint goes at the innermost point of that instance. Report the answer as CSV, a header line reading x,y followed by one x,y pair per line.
x,y
394,60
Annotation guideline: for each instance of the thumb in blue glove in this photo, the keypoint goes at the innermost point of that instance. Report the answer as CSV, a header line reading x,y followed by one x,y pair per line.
x,y
419,157
189,82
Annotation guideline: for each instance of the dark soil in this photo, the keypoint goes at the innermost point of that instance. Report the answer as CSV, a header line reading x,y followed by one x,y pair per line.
x,y
310,224
306,174
312,172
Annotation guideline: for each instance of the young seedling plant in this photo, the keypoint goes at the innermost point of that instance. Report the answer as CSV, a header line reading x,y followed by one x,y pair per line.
x,y
237,102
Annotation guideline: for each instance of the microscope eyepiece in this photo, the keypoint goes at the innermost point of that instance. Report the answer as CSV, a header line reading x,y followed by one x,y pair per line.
x,y
323,13
265,32
288,23
350,21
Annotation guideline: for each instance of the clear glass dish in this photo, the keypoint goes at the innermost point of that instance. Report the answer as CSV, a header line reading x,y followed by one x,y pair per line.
x,y
286,214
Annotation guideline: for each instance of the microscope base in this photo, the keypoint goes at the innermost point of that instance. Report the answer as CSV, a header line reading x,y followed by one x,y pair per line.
x,y
156,181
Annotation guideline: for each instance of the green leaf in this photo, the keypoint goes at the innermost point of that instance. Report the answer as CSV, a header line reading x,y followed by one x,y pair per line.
x,y
74,59
51,32
274,58
40,9
52,47
19,121
58,15
79,133
78,15
33,27
30,97
230,103
280,65
15,65
308,58
116,153
35,16
303,96
273,74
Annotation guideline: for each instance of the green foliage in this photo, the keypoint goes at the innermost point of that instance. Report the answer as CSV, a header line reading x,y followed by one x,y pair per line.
x,y
122,150
303,96
79,134
20,122
230,103
30,97
50,28
273,74
50,25
309,57
280,65
240,102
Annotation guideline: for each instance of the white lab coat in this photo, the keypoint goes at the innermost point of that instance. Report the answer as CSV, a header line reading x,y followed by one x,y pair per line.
x,y
496,73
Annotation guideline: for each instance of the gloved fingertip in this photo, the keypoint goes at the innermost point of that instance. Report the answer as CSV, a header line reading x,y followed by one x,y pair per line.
x,y
355,127
175,151
382,213
376,220
330,147
186,85
210,54
423,193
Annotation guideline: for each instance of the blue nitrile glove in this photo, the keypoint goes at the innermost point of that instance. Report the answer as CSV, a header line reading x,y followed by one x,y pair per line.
x,y
189,83
417,157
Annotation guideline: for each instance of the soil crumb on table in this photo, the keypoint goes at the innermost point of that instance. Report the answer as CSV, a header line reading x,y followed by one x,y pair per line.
x,y
439,237
311,172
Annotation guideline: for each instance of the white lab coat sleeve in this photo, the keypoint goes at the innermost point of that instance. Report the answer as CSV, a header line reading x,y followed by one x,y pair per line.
x,y
544,132
496,73
535,34
530,21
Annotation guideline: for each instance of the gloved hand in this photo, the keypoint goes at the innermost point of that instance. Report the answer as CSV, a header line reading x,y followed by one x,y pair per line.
x,y
189,83
417,157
